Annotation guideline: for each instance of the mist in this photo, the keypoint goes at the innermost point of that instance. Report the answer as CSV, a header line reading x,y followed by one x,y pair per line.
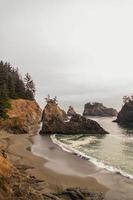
x,y
77,50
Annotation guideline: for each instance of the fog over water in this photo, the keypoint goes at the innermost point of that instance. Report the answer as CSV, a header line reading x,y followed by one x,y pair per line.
x,y
78,50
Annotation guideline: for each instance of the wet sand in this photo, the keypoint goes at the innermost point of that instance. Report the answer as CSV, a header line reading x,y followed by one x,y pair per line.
x,y
18,149
59,169
64,163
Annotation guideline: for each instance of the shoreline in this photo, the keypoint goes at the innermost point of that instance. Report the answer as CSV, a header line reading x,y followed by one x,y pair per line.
x,y
117,186
54,177
93,160
18,151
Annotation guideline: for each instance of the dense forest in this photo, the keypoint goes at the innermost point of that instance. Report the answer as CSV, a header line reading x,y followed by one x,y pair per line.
x,y
13,86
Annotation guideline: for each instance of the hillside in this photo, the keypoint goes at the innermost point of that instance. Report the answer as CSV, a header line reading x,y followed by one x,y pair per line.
x,y
22,115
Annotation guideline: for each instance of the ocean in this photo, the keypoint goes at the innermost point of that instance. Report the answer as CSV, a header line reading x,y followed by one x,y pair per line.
x,y
113,151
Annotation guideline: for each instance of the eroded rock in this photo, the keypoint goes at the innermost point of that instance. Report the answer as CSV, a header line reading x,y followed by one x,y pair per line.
x,y
54,121
98,109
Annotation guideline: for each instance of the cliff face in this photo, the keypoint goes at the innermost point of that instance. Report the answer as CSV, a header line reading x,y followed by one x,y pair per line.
x,y
125,116
5,174
22,115
54,121
97,109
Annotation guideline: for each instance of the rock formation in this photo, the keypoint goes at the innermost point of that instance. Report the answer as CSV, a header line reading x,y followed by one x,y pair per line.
x,y
22,115
125,116
54,121
98,109
71,112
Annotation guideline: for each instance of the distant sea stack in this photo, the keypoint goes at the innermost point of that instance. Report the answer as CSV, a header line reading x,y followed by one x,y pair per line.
x,y
125,116
71,112
55,121
98,109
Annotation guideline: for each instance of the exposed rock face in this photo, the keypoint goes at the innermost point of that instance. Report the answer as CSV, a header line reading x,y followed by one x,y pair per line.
x,y
52,110
71,111
53,120
97,109
75,194
125,116
22,115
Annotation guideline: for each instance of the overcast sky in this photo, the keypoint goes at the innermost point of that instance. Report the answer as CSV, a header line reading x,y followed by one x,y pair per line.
x,y
78,50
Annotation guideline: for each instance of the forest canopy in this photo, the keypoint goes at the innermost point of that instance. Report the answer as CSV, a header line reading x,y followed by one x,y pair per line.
x,y
13,86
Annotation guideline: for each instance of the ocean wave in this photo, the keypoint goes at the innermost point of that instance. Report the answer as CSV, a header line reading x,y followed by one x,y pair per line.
x,y
95,161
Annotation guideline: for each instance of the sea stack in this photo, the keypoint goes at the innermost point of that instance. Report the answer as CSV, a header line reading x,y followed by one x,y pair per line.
x,y
98,109
55,121
71,112
125,116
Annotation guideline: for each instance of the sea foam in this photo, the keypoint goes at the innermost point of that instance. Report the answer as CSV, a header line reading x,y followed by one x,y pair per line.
x,y
95,161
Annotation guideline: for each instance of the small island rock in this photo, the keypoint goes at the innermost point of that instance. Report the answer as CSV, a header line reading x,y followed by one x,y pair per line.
x,y
125,116
71,112
54,120
98,109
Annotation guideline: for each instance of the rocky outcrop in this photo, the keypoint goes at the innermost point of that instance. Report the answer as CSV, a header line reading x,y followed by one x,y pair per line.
x,y
54,121
52,110
125,116
71,112
22,116
75,194
98,109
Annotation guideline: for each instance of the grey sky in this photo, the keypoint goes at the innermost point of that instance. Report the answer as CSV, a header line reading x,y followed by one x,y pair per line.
x,y
78,50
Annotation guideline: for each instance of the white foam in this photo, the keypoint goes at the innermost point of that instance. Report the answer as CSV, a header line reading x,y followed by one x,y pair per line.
x,y
95,161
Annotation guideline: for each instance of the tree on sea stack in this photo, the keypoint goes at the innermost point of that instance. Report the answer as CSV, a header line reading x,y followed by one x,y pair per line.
x,y
49,100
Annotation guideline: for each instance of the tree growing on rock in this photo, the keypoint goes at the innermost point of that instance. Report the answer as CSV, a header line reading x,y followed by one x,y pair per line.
x,y
127,99
50,100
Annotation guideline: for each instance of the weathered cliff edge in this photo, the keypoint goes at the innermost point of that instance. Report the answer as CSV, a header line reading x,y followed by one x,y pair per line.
x,y
125,116
22,116
54,120
98,109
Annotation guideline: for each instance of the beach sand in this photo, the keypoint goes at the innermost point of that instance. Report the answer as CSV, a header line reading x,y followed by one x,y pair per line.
x,y
18,151
59,169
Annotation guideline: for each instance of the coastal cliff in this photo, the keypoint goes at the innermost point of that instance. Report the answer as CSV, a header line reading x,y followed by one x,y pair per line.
x,y
54,120
22,115
125,116
98,109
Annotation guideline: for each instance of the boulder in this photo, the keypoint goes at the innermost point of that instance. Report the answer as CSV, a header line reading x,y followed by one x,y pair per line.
x,y
98,109
54,120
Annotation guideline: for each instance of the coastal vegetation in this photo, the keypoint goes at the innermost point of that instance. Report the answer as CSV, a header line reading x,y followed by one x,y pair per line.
x,y
13,86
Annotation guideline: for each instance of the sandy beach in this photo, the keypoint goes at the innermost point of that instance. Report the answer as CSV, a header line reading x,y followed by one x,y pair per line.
x,y
18,151
58,169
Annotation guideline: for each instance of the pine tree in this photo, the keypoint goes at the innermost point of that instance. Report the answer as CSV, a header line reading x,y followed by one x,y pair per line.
x,y
29,86
12,86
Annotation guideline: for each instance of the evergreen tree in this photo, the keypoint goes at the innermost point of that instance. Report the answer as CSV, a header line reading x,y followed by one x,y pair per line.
x,y
12,86
29,86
